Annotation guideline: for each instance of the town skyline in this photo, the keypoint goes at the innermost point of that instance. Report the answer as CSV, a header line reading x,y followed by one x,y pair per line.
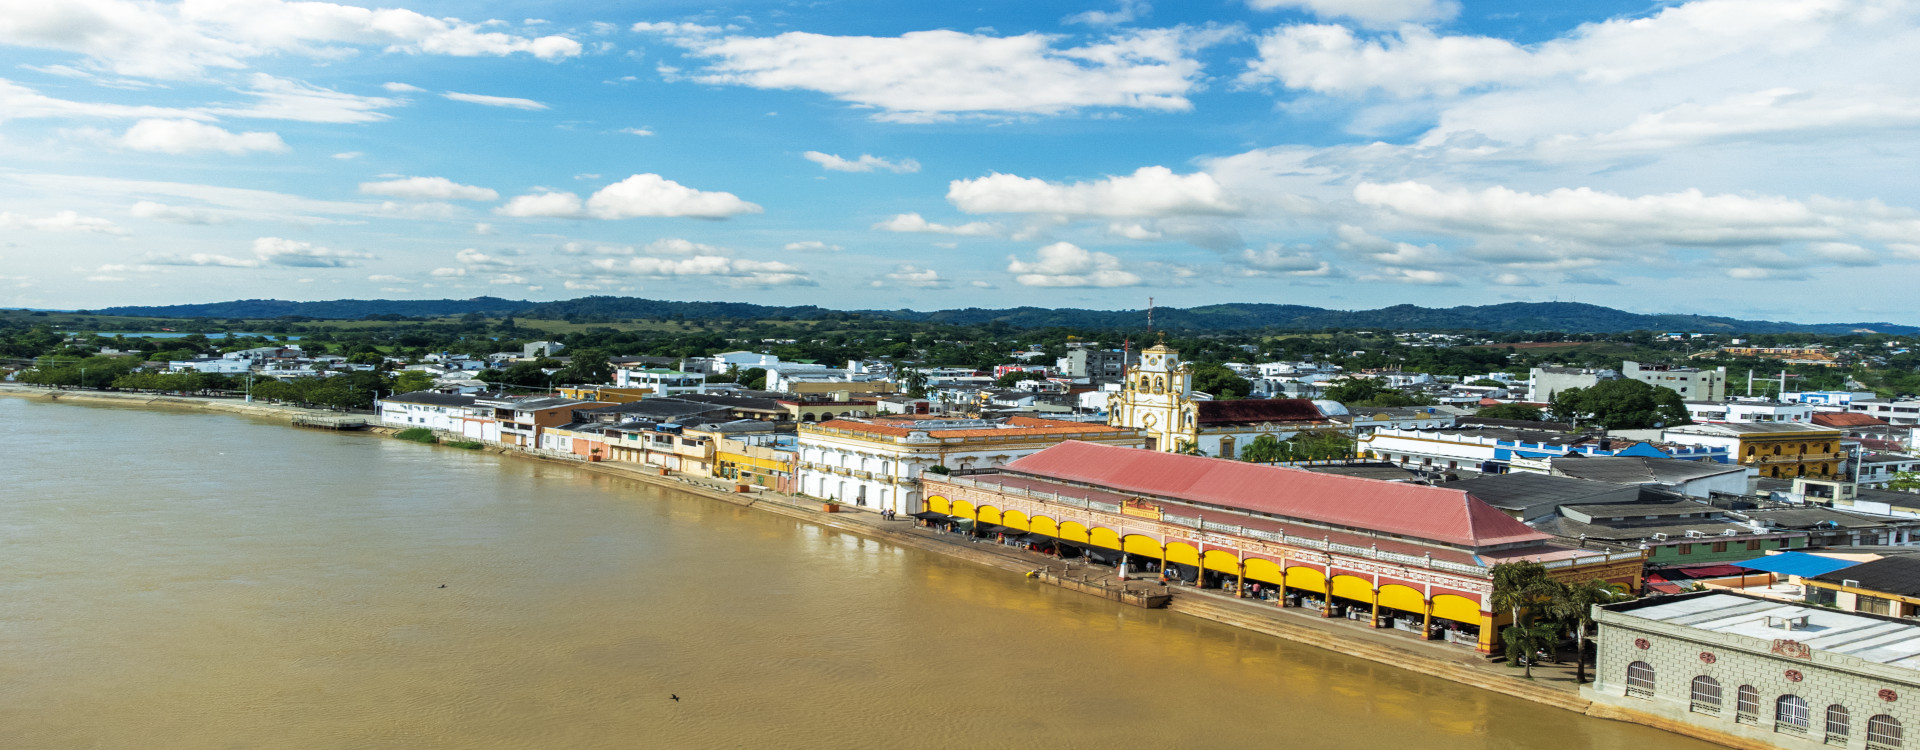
x,y
1339,154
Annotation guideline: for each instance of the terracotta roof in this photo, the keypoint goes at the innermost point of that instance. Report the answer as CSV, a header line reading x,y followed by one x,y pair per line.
x,y
1432,513
1846,419
1255,411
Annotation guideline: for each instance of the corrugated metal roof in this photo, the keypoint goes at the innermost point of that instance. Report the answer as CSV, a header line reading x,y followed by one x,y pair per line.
x,y
1255,411
1419,511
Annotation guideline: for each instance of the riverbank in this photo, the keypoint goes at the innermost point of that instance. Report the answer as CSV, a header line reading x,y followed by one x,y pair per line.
x,y
1553,687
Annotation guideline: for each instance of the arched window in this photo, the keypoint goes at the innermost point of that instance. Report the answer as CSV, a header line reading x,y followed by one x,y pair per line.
x,y
1776,450
1640,679
1837,726
1883,733
1746,705
1791,714
1706,695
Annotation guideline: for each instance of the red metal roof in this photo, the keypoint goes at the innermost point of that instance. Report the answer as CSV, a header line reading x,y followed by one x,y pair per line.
x,y
1419,511
1846,419
1255,411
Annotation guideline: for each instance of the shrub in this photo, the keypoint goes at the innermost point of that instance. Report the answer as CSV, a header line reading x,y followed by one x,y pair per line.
x,y
472,445
418,435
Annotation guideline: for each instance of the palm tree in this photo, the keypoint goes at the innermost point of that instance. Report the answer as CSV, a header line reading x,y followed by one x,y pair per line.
x,y
1517,586
1525,642
1572,604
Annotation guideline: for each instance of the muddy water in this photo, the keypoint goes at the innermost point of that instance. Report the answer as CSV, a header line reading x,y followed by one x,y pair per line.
x,y
186,580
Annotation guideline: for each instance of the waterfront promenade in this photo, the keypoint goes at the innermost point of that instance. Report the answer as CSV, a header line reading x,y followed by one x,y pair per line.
x,y
1552,684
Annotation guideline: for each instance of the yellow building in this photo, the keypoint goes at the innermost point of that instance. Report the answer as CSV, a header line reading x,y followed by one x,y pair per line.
x,y
1778,450
1157,399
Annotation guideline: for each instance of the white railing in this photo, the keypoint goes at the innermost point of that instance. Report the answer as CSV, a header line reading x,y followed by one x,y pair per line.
x,y
1108,507
1183,521
1592,560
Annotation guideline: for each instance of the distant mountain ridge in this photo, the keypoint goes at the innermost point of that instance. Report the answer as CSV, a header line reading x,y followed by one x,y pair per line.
x,y
1570,317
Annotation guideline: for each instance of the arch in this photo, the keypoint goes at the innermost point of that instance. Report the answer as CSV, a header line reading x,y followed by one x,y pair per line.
x,y
1264,570
938,504
1791,712
1353,588
1640,679
1746,701
1043,526
1136,544
1306,579
1223,561
1838,724
1183,553
1103,537
1706,694
1456,608
1883,731
962,509
1402,598
1073,532
987,514
1014,519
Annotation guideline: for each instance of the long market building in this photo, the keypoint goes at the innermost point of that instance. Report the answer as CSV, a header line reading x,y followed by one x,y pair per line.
x,y
1402,555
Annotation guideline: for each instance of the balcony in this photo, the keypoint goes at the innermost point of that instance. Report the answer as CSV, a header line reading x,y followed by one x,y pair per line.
x,y
1799,458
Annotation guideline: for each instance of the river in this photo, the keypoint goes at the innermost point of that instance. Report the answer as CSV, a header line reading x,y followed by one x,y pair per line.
x,y
192,580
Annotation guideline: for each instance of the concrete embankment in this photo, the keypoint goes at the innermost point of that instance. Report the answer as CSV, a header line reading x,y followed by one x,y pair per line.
x,y
1462,667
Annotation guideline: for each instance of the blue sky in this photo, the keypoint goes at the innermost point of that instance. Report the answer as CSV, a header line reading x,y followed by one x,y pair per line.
x,y
1741,157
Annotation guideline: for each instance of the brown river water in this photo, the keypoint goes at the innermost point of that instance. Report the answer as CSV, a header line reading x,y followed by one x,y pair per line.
x,y
189,580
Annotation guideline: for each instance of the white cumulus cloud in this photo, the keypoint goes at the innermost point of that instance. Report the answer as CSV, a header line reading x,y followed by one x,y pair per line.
x,y
925,76
639,195
1063,264
1148,192
731,271
190,136
915,223
60,221
1378,13
182,40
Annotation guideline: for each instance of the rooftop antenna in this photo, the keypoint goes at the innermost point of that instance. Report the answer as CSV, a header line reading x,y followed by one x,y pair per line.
x,y
1149,316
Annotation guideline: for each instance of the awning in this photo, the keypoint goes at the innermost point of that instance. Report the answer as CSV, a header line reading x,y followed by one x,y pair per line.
x,y
1797,564
927,515
991,529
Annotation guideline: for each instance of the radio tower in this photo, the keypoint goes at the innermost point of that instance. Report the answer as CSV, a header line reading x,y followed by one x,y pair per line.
x,y
1149,317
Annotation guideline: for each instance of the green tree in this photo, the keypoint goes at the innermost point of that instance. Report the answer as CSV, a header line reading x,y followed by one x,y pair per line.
x,y
587,367
1518,587
1012,378
409,381
754,379
1622,404
1356,390
1526,641
1189,448
1573,604
1488,383
914,381
1511,411
1906,481
1266,449
1221,382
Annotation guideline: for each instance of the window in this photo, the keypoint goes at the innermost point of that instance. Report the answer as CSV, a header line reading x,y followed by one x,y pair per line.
x,y
1640,679
1837,725
1719,546
1791,715
1706,695
1883,733
1746,705
1686,549
1753,545
1874,605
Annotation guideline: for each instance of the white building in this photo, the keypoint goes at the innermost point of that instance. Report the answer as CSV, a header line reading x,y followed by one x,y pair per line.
x,y
218,365
1891,412
1692,383
537,349
744,360
435,411
664,382
1827,398
875,464
1546,381
1748,412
